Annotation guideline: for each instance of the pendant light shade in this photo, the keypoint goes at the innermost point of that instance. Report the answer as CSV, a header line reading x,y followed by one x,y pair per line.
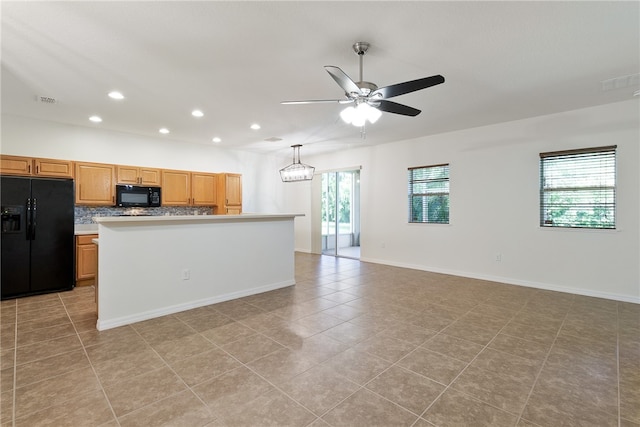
x,y
296,171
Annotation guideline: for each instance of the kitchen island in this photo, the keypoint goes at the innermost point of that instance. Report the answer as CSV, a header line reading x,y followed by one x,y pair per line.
x,y
151,266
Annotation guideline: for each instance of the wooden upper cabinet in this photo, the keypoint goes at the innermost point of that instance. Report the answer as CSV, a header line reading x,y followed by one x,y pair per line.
x,y
229,194
95,184
234,189
29,166
176,188
150,177
14,165
138,176
54,168
204,189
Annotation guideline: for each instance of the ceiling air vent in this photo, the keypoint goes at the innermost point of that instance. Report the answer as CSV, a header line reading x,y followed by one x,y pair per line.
x,y
46,100
621,82
273,139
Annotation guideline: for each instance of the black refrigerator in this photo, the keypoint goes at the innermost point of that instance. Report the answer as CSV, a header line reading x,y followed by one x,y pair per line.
x,y
37,253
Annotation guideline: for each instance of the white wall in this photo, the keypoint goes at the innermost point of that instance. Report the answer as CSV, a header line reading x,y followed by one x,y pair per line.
x,y
494,194
262,189
494,204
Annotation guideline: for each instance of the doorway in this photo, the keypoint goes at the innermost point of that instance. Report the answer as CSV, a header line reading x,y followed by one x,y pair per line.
x,y
341,214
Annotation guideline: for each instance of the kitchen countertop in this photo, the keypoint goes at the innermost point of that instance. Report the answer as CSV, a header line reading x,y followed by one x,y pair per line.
x,y
82,229
114,220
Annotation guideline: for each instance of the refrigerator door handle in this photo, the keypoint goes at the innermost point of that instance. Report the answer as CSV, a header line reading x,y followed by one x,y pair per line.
x,y
33,219
28,219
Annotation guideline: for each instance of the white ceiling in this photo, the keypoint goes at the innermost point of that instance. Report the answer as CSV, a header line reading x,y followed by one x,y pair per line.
x,y
236,61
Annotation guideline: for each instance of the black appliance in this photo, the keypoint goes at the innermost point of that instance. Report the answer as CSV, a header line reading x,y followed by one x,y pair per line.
x,y
37,237
134,196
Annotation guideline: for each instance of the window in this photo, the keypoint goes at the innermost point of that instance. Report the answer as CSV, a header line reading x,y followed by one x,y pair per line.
x,y
578,188
429,194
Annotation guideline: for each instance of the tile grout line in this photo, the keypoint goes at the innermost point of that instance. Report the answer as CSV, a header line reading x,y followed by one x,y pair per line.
x,y
544,362
469,364
15,368
174,372
245,365
618,360
363,386
93,369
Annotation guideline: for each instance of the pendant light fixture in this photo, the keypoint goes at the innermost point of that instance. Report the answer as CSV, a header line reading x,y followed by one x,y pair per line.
x,y
296,171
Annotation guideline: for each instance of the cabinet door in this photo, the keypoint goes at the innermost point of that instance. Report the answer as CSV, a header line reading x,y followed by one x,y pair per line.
x,y
95,184
150,177
127,175
203,189
53,167
234,189
176,188
86,259
13,165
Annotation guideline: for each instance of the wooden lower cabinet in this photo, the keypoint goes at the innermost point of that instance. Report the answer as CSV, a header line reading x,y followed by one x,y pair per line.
x,y
86,259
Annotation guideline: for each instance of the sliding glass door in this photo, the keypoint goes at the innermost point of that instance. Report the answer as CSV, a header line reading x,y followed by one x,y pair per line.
x,y
341,213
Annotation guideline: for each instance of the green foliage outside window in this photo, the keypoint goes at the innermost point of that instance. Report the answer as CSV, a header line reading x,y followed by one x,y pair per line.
x,y
429,194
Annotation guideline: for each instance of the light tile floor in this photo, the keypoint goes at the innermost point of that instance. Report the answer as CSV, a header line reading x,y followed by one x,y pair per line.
x,y
352,344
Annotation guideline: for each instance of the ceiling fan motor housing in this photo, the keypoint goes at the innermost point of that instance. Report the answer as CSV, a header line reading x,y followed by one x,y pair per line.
x,y
365,87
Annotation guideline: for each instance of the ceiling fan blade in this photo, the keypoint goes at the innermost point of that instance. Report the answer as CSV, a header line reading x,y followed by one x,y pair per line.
x,y
343,80
406,87
318,101
394,107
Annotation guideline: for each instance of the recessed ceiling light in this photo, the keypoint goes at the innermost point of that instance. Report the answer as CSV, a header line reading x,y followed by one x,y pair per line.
x,y
163,131
95,119
197,113
216,139
116,95
255,126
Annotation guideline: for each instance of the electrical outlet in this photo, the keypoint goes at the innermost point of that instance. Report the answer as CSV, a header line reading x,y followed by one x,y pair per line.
x,y
498,257
186,274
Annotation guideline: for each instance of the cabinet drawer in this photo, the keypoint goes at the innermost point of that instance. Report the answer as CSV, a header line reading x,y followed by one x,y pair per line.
x,y
85,239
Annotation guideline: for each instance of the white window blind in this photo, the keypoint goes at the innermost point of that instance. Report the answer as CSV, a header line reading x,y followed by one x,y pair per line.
x,y
578,188
429,194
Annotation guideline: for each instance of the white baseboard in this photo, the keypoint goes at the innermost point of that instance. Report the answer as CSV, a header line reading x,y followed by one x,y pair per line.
x,y
511,281
152,314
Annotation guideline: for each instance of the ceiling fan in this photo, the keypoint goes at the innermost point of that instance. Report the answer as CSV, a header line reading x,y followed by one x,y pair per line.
x,y
368,98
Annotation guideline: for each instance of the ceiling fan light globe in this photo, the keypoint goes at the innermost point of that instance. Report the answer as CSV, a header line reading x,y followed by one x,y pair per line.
x,y
373,114
348,114
358,121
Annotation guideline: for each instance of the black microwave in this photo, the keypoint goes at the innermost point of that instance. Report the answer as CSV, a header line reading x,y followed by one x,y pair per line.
x,y
134,196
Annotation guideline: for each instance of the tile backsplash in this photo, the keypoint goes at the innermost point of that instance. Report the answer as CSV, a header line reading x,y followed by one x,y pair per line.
x,y
84,214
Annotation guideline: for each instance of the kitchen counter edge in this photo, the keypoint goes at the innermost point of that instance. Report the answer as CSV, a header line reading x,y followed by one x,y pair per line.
x,y
114,220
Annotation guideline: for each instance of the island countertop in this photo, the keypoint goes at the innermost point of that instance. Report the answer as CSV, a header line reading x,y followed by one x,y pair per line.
x,y
138,219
